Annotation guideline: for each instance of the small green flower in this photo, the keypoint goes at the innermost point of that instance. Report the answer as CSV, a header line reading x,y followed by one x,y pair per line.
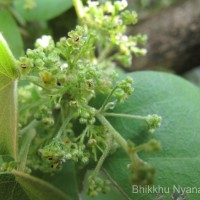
x,y
129,17
29,4
97,185
152,145
77,38
124,89
142,173
120,5
48,79
54,153
153,122
25,65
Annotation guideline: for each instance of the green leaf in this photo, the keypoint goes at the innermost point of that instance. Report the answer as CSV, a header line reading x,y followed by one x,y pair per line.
x,y
38,189
10,189
7,60
11,32
8,101
21,186
44,10
66,180
178,102
8,117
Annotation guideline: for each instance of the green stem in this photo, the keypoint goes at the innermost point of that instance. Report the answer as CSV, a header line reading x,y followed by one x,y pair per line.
x,y
103,157
30,126
27,139
60,132
32,79
82,135
35,80
65,123
107,99
125,116
139,148
79,8
105,53
119,139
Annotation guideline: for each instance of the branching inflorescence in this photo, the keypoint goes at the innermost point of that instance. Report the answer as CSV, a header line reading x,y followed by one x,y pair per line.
x,y
61,79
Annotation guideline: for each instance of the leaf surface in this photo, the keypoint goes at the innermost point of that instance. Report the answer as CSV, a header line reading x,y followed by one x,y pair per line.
x,y
26,187
10,189
10,31
8,101
177,164
8,117
66,180
7,60
38,189
44,10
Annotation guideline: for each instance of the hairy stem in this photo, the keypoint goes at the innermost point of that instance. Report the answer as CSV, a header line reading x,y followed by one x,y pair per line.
x,y
65,123
103,157
125,116
105,53
107,100
119,139
24,149
30,126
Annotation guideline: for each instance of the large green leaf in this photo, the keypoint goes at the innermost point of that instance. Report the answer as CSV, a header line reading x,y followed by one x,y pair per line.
x,y
21,186
178,102
8,117
8,105
44,10
10,189
66,180
11,32
7,60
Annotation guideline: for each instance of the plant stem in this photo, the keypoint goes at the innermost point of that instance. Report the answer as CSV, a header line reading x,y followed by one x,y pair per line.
x,y
125,116
30,126
65,123
107,99
119,139
33,80
103,157
79,8
27,139
105,53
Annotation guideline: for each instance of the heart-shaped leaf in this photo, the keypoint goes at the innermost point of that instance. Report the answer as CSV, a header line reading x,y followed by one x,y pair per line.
x,y
177,164
44,10
26,187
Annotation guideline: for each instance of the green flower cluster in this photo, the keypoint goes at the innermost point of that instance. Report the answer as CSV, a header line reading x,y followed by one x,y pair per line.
x,y
153,122
142,173
60,80
29,4
97,185
124,89
109,21
8,166
81,149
